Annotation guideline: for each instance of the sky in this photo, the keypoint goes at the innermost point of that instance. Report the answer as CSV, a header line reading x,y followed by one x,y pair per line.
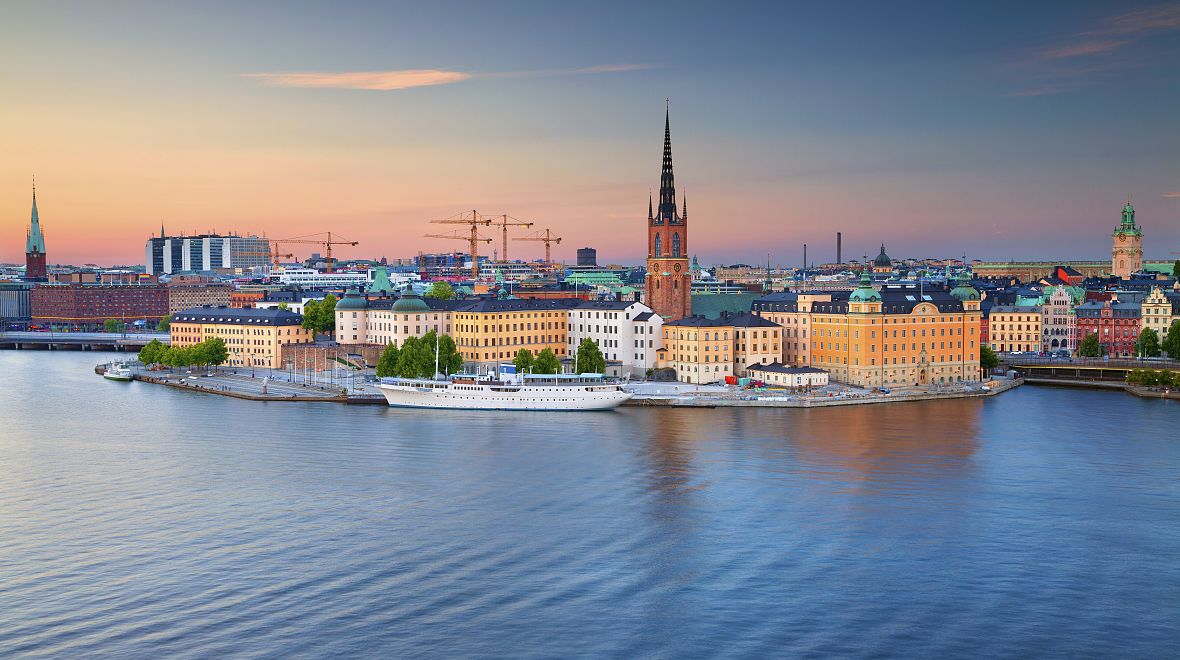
x,y
992,130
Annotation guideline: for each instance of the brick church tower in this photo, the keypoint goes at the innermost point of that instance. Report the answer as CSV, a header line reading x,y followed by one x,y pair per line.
x,y
668,286
35,246
1126,251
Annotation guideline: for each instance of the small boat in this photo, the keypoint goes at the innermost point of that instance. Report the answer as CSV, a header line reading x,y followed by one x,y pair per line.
x,y
120,372
511,391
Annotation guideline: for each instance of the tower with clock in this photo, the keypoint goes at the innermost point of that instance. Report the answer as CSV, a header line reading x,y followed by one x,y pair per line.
x,y
668,285
1126,252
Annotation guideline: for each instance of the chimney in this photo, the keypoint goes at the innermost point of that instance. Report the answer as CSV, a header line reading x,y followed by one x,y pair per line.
x,y
804,256
839,259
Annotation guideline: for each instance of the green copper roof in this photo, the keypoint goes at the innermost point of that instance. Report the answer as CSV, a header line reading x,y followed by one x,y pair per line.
x,y
35,242
866,292
352,300
381,283
964,290
409,302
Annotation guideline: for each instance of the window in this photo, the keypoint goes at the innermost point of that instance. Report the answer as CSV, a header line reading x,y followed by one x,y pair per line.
x,y
659,246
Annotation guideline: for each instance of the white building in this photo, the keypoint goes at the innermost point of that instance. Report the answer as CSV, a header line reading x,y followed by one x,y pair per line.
x,y
175,254
787,376
1059,321
390,321
310,278
625,331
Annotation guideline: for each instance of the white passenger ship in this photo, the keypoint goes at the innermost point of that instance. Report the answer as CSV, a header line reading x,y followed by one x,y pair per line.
x,y
508,392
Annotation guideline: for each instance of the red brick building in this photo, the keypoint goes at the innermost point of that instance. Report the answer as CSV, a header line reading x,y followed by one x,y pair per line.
x,y
1117,325
668,284
89,305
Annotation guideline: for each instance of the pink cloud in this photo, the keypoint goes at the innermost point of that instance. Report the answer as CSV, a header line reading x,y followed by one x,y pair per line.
x,y
1142,20
1089,48
371,80
1172,194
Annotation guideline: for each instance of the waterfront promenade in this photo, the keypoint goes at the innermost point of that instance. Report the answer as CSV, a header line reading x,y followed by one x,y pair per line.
x,y
80,341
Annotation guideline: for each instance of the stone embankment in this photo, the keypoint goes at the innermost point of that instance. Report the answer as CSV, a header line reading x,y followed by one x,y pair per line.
x,y
720,397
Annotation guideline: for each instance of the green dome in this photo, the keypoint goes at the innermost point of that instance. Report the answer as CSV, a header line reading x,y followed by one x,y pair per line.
x,y
865,292
409,302
883,260
352,300
964,291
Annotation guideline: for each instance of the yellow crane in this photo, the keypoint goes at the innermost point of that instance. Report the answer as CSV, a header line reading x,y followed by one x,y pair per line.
x,y
474,220
545,236
504,224
326,243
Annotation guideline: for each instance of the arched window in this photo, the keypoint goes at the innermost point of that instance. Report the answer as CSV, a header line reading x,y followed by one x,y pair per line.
x,y
676,244
659,246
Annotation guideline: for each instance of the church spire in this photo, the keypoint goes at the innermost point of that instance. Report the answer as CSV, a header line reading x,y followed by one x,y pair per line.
x,y
684,206
35,244
649,216
667,208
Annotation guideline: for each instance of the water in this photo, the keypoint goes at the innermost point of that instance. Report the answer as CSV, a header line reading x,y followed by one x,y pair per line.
x,y
141,521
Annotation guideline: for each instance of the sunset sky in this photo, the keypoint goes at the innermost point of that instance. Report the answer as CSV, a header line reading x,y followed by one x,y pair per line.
x,y
941,129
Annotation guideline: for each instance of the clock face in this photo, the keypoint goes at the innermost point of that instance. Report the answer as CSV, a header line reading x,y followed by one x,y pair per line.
x,y
677,267
1122,237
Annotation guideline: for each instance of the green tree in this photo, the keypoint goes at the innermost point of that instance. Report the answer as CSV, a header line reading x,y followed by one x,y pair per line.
x,y
285,307
523,361
441,290
1171,343
1176,269
590,359
1090,346
546,362
152,352
387,363
177,356
214,351
164,324
988,359
1148,343
320,315
416,359
450,360
113,325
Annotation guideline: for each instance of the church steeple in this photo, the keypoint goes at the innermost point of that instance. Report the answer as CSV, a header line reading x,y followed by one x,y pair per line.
x,y
649,215
667,209
35,243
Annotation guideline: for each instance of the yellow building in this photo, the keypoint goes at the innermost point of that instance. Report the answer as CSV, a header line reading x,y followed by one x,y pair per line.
x,y
252,336
703,350
1015,329
904,334
1157,312
493,331
792,311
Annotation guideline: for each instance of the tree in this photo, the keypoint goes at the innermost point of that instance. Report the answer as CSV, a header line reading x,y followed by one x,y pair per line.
x,y
546,362
450,360
1176,269
1148,343
152,352
176,356
320,315
440,290
415,359
285,307
1171,343
523,361
165,324
1090,346
387,363
113,325
988,359
214,351
590,359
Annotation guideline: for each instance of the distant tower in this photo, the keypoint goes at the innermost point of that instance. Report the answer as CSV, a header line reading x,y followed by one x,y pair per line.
x,y
1126,252
35,245
839,255
668,284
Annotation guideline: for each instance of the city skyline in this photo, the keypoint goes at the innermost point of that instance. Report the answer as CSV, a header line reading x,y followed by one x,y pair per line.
x,y
938,131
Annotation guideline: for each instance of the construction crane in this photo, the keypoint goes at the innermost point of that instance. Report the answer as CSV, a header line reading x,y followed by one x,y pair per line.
x,y
273,255
545,236
474,220
326,243
504,224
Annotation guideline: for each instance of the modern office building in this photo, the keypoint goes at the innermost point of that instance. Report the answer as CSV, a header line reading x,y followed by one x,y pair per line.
x,y
212,252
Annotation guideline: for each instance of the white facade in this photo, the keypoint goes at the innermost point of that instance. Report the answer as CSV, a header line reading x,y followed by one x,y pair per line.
x,y
294,306
386,326
627,332
311,278
1059,322
205,253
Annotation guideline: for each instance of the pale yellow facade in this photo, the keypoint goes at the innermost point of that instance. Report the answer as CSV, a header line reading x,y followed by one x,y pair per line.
x,y
248,344
497,336
1157,312
1015,329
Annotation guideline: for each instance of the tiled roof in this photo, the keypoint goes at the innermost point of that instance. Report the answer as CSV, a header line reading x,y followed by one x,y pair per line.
x,y
232,316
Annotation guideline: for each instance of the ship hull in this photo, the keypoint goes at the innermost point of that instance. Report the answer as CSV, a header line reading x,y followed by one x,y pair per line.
x,y
482,397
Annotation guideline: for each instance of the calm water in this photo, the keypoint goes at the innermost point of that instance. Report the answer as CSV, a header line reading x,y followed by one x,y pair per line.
x,y
141,521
